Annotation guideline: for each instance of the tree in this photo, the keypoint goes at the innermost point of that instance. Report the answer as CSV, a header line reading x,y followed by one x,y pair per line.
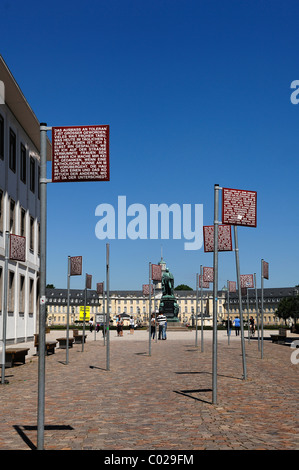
x,y
288,307
50,286
182,287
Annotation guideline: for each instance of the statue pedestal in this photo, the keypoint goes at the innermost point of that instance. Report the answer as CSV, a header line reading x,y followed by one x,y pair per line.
x,y
169,308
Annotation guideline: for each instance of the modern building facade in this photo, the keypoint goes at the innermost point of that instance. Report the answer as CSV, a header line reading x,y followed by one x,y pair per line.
x,y
19,206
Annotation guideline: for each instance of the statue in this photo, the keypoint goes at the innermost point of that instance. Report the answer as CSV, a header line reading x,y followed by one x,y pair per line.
x,y
168,305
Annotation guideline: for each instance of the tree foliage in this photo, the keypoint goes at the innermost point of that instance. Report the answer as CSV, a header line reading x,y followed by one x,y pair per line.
x,y
183,287
288,307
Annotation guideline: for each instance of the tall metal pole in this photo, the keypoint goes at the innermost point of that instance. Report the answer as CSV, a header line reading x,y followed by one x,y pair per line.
x,y
262,311
42,283
4,313
248,322
68,307
257,314
215,292
228,322
240,303
105,315
196,309
150,310
201,308
107,310
84,316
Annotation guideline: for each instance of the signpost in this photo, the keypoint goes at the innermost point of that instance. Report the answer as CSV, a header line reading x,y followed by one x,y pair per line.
x,y
156,278
78,154
264,275
74,269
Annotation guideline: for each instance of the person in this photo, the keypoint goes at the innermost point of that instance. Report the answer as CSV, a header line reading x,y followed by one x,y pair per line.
x,y
98,327
164,329
119,326
252,326
161,321
237,325
153,326
91,324
132,325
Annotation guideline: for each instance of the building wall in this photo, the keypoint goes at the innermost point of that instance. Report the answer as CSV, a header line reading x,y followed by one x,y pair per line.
x,y
20,209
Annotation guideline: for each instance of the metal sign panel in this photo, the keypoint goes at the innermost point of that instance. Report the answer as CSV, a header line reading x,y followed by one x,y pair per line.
x,y
100,288
202,283
224,238
156,272
239,207
80,153
246,280
232,286
88,281
87,313
145,289
265,270
76,266
17,248
208,274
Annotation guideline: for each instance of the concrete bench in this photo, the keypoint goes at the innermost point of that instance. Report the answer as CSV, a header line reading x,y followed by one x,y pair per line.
x,y
14,356
62,342
49,346
280,337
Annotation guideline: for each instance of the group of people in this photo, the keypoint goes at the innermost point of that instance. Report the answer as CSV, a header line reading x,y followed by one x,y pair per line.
x,y
237,324
162,324
120,324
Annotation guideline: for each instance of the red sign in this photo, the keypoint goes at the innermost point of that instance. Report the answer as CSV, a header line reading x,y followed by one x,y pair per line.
x,y
100,288
17,248
145,289
202,283
80,153
232,286
156,272
246,280
224,238
265,270
239,207
208,274
88,281
76,266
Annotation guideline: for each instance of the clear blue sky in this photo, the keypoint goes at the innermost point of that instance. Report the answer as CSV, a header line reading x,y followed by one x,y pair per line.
x,y
195,93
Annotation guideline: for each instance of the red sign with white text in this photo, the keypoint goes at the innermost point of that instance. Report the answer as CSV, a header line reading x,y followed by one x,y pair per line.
x,y
80,153
224,238
239,207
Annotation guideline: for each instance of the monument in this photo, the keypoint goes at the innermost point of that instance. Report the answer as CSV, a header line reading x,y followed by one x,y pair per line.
x,y
168,304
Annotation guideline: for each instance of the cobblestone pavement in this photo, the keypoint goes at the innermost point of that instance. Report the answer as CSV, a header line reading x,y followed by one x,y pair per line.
x,y
162,401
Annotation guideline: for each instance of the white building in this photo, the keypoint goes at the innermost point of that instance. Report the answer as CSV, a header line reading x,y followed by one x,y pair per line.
x,y
19,206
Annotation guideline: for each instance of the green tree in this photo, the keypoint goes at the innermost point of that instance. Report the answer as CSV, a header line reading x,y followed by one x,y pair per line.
x,y
182,287
288,307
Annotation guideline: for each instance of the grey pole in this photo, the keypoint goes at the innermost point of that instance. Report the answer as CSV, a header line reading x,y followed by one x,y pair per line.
x,y
201,308
149,309
42,308
105,315
68,307
248,326
85,295
196,309
240,303
262,311
107,310
215,291
257,314
4,319
228,329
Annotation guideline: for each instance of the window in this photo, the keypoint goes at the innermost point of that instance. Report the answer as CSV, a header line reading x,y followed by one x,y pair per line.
x,y
31,238
31,295
1,138
1,210
12,216
22,294
23,223
32,174
11,291
23,164
12,150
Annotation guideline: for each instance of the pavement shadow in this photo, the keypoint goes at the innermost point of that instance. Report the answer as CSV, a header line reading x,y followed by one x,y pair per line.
x,y
21,431
186,393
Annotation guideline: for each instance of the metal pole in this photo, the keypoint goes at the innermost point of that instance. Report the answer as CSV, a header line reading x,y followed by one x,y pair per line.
x,y
228,329
155,308
85,295
42,284
149,309
248,325
215,291
240,303
68,307
262,312
107,310
105,316
201,308
4,319
196,309
257,314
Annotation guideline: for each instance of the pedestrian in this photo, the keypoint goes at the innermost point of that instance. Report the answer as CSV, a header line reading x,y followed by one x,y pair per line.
x,y
98,327
161,322
91,324
252,326
164,329
153,326
132,325
237,325
119,326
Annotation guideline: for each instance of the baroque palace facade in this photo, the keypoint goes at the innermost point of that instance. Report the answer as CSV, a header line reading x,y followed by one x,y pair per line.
x,y
134,303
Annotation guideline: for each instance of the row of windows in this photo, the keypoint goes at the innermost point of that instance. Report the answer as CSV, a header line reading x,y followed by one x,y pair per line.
x,y
21,230
12,158
12,295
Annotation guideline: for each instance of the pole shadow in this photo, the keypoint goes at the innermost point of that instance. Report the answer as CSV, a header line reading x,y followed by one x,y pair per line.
x,y
186,393
21,431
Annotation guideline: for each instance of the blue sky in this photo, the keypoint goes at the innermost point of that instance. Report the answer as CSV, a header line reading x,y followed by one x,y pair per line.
x,y
195,93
